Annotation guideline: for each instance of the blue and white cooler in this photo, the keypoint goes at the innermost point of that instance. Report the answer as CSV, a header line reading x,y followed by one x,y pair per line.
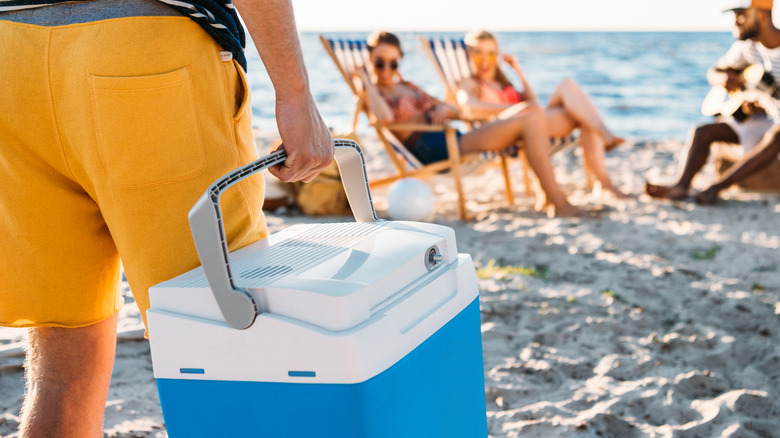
x,y
366,329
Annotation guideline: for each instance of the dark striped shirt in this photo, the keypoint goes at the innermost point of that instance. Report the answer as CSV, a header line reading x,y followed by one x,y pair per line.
x,y
217,17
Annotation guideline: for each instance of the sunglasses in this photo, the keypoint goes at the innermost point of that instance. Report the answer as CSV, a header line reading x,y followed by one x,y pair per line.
x,y
380,64
479,57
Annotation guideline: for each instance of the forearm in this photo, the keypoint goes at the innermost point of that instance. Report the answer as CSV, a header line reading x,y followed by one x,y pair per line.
x,y
378,104
305,137
479,109
271,24
451,111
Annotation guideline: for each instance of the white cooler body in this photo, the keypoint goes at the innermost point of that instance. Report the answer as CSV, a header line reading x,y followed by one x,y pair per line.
x,y
348,330
396,355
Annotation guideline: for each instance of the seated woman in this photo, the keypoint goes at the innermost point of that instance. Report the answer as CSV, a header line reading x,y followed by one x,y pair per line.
x,y
489,94
395,101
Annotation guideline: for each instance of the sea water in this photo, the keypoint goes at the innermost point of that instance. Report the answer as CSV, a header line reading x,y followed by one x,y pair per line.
x,y
647,85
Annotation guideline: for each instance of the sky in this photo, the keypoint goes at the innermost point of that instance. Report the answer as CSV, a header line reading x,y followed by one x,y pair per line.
x,y
514,15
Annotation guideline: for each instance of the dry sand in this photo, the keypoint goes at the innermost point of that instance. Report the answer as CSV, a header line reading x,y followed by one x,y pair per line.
x,y
660,319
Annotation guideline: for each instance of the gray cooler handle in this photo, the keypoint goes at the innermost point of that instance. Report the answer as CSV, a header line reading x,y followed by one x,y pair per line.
x,y
236,304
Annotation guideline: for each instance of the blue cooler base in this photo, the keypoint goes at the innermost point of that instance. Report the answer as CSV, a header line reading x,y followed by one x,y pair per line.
x,y
437,390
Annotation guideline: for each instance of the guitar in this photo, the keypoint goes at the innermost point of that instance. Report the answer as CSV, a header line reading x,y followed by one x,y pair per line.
x,y
759,89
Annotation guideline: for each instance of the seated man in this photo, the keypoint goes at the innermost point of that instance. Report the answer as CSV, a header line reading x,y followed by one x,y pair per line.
x,y
758,43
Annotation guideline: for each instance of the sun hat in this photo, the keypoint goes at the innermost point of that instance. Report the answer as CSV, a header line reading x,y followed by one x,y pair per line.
x,y
746,4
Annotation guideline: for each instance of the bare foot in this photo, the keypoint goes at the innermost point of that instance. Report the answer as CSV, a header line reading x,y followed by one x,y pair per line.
x,y
707,197
615,142
609,191
541,203
668,192
617,194
568,210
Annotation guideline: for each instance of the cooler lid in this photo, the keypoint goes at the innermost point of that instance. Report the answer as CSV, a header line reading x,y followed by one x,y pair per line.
x,y
336,276
332,276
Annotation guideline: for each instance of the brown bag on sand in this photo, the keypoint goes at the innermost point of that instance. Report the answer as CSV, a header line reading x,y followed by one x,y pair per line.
x,y
324,195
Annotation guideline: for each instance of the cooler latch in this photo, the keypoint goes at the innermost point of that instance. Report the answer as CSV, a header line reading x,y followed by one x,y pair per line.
x,y
433,257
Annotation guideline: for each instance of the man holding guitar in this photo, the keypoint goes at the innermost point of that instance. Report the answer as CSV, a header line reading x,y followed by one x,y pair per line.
x,y
753,122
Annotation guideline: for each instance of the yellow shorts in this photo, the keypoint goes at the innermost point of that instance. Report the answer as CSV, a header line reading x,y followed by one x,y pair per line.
x,y
109,133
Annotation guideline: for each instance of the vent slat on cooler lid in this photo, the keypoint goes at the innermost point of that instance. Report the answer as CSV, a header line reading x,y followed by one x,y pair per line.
x,y
300,252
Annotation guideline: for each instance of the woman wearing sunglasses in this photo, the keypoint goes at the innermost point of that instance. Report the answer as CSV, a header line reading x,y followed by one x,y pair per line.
x,y
489,94
394,100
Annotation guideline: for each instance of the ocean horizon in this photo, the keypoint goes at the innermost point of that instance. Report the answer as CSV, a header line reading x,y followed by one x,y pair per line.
x,y
648,85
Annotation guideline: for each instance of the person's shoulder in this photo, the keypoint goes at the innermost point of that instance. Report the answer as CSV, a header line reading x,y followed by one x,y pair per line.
x,y
766,49
758,53
742,45
412,86
739,53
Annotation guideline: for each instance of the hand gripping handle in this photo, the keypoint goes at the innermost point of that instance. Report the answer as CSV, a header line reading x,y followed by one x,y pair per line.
x,y
208,231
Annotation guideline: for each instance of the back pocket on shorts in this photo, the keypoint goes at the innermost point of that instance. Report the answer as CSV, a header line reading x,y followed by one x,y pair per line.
x,y
147,128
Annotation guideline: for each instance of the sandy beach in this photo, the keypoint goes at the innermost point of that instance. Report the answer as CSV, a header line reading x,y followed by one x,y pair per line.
x,y
661,319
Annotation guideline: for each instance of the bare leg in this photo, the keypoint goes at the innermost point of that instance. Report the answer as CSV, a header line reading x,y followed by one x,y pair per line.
x,y
560,124
593,154
513,110
68,375
698,152
758,158
578,106
530,127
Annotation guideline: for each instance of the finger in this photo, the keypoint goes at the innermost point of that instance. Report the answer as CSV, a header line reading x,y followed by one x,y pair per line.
x,y
297,172
284,174
285,171
287,162
289,165
281,172
274,170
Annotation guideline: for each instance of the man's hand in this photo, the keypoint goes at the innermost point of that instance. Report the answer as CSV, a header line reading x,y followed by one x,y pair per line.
x,y
752,108
306,139
734,80
439,114
511,60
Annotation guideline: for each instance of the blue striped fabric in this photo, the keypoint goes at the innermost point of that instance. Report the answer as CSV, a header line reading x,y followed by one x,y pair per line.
x,y
217,17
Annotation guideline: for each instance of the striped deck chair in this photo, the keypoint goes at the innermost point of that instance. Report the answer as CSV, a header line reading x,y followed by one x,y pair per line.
x,y
350,55
451,62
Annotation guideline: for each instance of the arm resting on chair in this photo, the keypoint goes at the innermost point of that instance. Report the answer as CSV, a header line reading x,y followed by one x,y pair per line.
x,y
474,107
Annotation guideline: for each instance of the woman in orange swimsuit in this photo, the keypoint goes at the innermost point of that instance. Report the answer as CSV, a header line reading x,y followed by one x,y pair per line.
x,y
396,101
489,95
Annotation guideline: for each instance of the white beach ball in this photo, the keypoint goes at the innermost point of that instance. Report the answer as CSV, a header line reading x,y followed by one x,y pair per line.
x,y
410,199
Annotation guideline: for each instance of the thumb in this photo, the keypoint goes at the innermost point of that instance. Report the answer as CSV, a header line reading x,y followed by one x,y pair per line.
x,y
288,161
